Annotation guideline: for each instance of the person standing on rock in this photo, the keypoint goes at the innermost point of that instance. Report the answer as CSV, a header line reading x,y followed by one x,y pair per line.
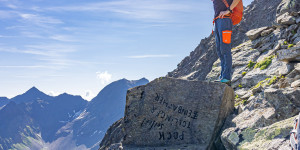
x,y
222,32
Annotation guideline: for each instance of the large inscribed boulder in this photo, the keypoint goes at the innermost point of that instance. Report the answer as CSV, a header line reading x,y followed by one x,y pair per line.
x,y
168,112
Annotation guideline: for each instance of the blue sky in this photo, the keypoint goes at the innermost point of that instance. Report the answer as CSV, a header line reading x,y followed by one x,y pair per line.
x,y
80,46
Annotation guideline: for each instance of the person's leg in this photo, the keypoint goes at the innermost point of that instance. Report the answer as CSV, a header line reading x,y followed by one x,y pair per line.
x,y
218,42
223,25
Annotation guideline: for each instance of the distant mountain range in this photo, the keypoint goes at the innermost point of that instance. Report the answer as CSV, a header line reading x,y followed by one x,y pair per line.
x,y
3,101
34,120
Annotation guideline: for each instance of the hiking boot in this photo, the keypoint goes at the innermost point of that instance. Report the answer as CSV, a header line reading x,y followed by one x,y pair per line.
x,y
228,82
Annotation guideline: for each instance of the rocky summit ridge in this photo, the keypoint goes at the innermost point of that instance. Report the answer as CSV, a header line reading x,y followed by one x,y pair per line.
x,y
265,80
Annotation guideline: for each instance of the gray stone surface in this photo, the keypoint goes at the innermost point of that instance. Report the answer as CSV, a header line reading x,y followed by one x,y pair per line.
x,y
174,147
267,32
198,64
168,112
253,127
273,137
286,19
113,137
291,54
288,6
272,99
264,97
255,33
297,41
297,66
298,20
295,84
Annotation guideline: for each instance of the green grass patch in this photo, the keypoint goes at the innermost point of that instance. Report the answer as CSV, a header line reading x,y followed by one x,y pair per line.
x,y
272,80
264,63
244,102
290,46
251,64
236,96
267,81
275,133
244,73
262,83
241,102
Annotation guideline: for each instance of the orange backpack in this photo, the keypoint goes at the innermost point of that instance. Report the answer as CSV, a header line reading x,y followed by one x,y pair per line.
x,y
237,14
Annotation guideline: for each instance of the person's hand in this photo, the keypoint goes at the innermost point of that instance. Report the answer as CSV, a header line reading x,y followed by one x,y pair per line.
x,y
223,13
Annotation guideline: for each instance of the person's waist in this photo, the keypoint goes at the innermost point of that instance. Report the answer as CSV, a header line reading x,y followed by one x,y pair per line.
x,y
227,16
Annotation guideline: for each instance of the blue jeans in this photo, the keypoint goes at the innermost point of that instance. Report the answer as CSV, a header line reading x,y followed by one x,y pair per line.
x,y
223,49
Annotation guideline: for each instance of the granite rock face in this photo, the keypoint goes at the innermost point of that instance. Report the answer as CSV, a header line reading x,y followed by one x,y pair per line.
x,y
255,33
266,83
287,6
286,19
265,78
113,136
170,112
196,66
292,54
267,138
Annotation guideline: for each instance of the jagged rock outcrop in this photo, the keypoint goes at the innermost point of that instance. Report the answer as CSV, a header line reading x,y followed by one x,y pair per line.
x,y
265,79
288,6
270,137
197,65
171,113
255,33
114,136
266,75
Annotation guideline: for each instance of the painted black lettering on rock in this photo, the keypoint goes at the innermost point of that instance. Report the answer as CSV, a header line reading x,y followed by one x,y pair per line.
x,y
160,114
171,136
161,136
153,109
176,108
151,124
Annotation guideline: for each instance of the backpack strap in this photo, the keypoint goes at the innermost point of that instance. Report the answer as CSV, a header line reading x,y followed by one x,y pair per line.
x,y
226,3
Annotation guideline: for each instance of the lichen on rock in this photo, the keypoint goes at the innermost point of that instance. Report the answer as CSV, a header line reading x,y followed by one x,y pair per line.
x,y
270,137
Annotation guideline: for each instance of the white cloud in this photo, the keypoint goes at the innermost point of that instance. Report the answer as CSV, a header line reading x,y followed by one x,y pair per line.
x,y
88,95
150,56
104,77
63,38
144,10
38,19
12,6
52,93
50,50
